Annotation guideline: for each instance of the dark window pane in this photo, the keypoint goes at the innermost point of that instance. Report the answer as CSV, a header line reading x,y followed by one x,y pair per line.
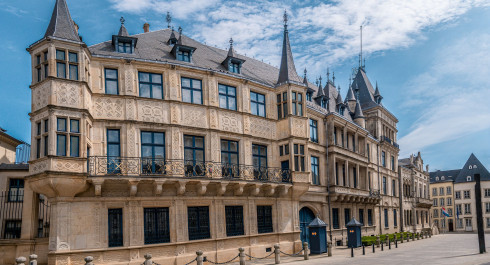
x,y
61,145
115,228
60,55
74,126
74,146
73,57
61,70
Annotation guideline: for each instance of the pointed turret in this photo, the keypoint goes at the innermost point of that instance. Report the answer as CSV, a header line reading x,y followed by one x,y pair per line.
x,y
359,116
123,32
173,39
350,100
61,25
122,42
287,70
182,49
377,95
232,63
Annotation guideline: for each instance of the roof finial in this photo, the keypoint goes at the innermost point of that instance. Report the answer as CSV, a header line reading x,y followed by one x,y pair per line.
x,y
360,53
350,80
180,30
316,82
169,19
320,79
333,78
305,72
122,20
328,74
231,42
285,20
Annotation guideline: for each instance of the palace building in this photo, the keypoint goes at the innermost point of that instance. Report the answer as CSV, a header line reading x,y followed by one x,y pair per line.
x,y
156,143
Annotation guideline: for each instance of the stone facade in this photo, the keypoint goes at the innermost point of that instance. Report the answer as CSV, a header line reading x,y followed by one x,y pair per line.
x,y
415,200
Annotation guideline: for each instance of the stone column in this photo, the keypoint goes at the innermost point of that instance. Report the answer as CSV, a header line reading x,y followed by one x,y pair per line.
x,y
30,211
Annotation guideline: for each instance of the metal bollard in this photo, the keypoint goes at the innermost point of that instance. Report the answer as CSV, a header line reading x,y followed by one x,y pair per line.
x,y
305,251
382,247
396,243
374,248
33,259
401,239
329,248
389,243
363,250
408,238
199,258
148,260
352,252
88,260
21,260
241,256
277,254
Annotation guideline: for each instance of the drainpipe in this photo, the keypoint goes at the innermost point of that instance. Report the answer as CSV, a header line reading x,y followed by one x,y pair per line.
x,y
400,194
328,186
379,190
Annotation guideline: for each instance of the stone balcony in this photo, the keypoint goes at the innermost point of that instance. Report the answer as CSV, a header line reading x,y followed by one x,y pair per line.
x,y
423,202
358,154
347,194
176,177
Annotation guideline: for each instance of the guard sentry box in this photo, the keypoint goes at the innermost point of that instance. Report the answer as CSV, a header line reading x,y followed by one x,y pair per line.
x,y
318,236
354,234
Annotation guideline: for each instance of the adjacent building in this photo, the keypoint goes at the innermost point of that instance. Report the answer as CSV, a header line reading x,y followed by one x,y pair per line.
x,y
415,201
455,191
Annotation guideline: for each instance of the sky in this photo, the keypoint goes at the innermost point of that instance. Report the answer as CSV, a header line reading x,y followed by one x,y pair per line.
x,y
430,58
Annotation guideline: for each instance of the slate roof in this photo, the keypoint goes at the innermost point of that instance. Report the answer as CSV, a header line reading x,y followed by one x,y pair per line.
x,y
366,90
353,222
287,71
153,46
449,175
61,25
358,112
317,222
476,168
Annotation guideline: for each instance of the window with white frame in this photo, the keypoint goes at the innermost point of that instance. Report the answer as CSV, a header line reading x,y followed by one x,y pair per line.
x,y
487,192
468,222
467,208
487,207
448,190
457,194
449,202
466,194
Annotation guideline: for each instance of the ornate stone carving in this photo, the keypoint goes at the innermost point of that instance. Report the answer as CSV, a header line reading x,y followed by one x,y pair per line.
x,y
40,96
39,167
194,116
68,95
131,141
68,166
213,117
130,110
299,128
110,108
262,128
174,86
175,112
128,80
151,111
230,122
176,144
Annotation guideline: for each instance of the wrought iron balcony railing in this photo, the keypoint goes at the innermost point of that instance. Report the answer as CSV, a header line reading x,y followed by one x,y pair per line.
x,y
158,167
388,140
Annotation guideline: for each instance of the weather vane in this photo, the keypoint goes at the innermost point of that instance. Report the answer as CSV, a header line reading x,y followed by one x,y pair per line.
x,y
180,30
122,20
285,19
169,19
231,42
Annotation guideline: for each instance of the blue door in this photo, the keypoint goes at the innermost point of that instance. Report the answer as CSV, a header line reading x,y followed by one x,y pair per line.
x,y
305,218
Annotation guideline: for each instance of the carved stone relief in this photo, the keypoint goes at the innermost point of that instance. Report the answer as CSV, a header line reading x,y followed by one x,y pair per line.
x,y
230,122
213,119
130,109
175,112
68,166
194,116
131,141
108,108
299,128
151,111
68,95
39,167
40,96
128,80
262,128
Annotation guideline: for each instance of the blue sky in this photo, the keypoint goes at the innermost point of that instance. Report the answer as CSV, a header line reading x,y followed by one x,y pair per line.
x,y
430,58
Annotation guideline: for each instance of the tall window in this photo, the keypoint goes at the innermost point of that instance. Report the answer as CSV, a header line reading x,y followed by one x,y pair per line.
x,y
346,216
234,67
449,202
191,90
297,103
64,133
111,82
448,190
150,85
314,170
466,194
264,219
487,192
487,207
395,219
383,158
16,190
282,105
368,151
234,220
313,131
38,68
12,229
370,217
113,150
361,216
38,140
441,191
434,202
198,222
436,213
157,228
459,209
392,163
152,152
441,202
115,227
434,191
194,154
46,137
227,97
467,208
229,158
393,187
335,135
354,177
335,218
384,186
386,218
62,63
299,157
257,103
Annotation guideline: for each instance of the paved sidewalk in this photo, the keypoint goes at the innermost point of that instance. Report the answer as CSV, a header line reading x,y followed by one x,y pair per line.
x,y
444,249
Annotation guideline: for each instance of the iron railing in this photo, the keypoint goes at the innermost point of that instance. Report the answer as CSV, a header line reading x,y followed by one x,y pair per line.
x,y
388,140
11,204
44,214
157,167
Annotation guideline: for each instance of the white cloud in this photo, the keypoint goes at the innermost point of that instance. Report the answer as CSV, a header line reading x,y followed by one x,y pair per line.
x,y
180,9
452,97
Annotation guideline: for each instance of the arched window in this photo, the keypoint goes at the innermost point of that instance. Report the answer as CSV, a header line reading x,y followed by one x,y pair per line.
x,y
468,178
437,178
470,167
442,178
474,166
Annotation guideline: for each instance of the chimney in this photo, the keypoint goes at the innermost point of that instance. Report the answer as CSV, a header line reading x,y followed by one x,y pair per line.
x,y
146,27
76,27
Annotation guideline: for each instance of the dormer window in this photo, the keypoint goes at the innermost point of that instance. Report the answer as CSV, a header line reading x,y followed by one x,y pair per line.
x,y
234,67
470,167
184,56
125,47
232,63
468,178
309,96
324,103
122,42
437,178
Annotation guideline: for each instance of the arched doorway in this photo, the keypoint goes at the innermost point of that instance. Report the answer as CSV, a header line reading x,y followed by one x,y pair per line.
x,y
305,217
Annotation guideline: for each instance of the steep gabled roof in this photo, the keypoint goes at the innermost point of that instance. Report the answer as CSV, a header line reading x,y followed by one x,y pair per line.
x,y
471,167
350,95
358,112
366,90
287,70
61,25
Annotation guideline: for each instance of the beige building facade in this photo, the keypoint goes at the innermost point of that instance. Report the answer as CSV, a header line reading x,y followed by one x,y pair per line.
x,y
156,143
415,200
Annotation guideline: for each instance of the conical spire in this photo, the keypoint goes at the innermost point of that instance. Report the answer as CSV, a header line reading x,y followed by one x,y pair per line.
x,y
358,112
123,31
305,80
180,36
287,71
350,95
376,93
339,97
61,25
